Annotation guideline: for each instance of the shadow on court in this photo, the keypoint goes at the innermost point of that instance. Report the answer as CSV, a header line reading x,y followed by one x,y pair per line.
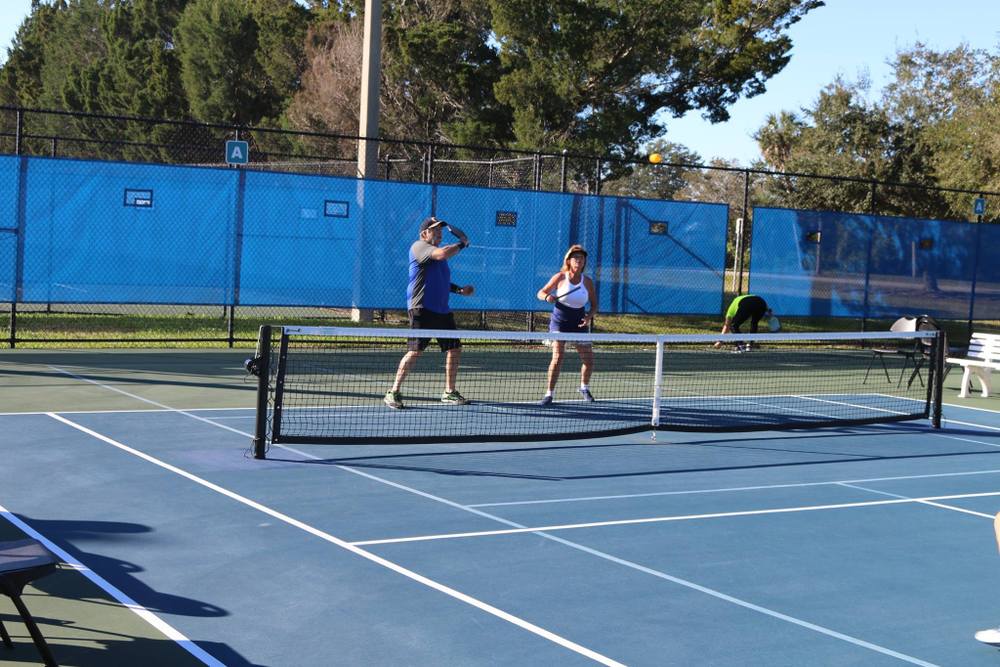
x,y
110,649
120,573
83,625
523,462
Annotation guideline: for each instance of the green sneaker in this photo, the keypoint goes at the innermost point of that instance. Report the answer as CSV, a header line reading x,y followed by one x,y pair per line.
x,y
394,399
454,398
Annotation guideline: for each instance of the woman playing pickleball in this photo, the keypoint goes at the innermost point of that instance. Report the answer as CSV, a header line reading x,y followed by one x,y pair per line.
x,y
569,291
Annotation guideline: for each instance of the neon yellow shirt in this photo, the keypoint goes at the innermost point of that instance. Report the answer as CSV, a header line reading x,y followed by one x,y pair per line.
x,y
735,305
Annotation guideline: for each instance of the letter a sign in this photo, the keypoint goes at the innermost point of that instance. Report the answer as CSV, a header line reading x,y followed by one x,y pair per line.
x,y
237,152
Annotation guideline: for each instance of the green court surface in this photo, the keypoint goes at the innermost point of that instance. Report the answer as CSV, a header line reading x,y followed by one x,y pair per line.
x,y
34,381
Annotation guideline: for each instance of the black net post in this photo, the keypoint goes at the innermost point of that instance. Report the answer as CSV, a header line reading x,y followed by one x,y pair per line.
x,y
279,386
937,381
263,359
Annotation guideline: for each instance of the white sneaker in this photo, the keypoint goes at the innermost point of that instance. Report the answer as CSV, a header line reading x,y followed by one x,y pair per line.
x,y
991,636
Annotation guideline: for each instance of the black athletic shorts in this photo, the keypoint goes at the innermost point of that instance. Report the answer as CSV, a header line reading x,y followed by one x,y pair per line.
x,y
421,318
753,308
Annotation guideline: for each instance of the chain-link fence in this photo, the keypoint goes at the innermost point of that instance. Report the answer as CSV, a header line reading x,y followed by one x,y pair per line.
x,y
155,315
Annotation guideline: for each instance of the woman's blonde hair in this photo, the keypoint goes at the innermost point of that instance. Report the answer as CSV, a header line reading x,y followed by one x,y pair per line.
x,y
575,249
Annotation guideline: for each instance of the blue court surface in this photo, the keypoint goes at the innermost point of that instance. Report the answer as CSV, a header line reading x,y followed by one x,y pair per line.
x,y
867,545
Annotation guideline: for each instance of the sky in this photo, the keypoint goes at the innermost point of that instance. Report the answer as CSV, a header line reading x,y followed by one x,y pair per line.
x,y
846,37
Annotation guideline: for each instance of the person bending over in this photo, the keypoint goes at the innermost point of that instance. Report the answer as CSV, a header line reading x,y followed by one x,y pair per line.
x,y
744,307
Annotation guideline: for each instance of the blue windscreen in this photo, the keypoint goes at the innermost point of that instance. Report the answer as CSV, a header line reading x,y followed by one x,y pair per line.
x,y
987,293
102,232
8,266
518,239
8,226
821,263
297,249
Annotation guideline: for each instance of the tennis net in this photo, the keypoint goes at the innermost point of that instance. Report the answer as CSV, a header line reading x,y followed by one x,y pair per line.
x,y
329,384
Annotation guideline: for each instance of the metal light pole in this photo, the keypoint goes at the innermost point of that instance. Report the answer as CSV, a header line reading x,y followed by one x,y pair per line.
x,y
368,114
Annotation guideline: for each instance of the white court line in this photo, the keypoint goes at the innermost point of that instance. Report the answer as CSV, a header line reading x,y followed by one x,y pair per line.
x,y
144,400
651,494
168,630
234,418
970,407
665,519
924,502
378,560
983,426
761,487
114,412
853,405
955,437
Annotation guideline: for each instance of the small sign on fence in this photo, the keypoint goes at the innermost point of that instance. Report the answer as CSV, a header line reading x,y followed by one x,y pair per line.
x,y
979,207
237,152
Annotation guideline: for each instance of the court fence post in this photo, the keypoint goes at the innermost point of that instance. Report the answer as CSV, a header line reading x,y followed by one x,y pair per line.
x,y
741,233
22,194
238,226
230,324
562,172
263,359
975,271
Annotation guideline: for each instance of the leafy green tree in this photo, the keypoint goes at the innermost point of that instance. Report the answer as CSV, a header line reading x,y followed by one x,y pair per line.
x,y
932,126
140,76
436,81
53,43
74,43
589,76
239,59
656,181
282,26
950,101
845,135
21,74
598,76
440,73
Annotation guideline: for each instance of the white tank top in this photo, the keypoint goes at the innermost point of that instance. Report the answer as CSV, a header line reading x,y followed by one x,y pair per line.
x,y
578,298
